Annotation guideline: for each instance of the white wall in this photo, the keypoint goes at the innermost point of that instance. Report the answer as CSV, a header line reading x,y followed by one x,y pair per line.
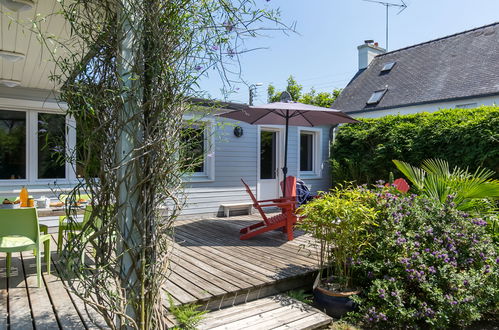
x,y
430,107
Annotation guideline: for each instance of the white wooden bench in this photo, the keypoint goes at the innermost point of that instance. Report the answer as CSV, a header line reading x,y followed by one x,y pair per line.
x,y
227,207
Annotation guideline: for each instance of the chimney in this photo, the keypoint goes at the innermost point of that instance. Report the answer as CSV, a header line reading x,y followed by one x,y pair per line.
x,y
367,52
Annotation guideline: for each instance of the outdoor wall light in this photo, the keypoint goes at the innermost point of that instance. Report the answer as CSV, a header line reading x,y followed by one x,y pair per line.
x,y
238,131
10,83
11,56
17,5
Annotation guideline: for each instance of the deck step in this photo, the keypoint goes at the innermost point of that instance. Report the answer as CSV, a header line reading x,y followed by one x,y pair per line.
x,y
275,312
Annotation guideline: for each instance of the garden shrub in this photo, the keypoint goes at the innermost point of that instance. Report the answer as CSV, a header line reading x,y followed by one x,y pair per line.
x,y
467,138
427,265
340,221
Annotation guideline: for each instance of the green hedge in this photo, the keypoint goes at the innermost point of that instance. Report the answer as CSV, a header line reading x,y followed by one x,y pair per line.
x,y
363,152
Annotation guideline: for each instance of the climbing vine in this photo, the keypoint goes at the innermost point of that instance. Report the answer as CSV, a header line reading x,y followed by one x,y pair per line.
x,y
127,73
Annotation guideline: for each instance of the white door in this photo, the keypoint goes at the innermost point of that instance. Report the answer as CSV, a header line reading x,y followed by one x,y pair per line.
x,y
269,174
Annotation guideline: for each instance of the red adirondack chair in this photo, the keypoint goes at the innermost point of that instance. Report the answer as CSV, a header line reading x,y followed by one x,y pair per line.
x,y
285,220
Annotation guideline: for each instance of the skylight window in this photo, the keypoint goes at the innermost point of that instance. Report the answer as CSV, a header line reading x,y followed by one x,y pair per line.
x,y
376,97
388,66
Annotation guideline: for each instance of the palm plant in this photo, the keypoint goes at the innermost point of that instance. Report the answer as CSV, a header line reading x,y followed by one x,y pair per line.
x,y
435,180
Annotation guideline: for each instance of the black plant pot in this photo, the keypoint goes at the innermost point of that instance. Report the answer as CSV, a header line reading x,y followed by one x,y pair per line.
x,y
335,304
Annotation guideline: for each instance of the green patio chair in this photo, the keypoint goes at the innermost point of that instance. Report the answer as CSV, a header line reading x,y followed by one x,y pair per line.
x,y
67,226
20,231
86,197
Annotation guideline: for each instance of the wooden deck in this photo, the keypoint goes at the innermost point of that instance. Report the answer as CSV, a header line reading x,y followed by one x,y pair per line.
x,y
25,306
276,312
210,267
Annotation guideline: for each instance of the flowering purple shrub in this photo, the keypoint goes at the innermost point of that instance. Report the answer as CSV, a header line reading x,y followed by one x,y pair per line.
x,y
428,265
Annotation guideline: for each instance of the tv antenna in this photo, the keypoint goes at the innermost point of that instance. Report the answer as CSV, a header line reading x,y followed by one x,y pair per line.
x,y
402,7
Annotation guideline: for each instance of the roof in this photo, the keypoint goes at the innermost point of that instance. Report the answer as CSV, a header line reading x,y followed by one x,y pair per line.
x,y
220,106
458,66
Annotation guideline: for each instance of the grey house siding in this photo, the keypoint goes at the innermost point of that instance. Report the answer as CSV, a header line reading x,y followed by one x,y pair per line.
x,y
323,184
237,158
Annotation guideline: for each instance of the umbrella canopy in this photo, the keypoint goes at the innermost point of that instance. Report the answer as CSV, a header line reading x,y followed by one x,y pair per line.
x,y
298,114
288,113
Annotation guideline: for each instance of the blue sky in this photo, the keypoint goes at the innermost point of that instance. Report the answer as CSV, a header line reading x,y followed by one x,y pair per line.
x,y
324,53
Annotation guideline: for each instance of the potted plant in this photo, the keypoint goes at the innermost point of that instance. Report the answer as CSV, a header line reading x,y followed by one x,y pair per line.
x,y
339,221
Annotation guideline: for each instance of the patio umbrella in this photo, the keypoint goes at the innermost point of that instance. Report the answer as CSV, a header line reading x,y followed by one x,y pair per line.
x,y
288,113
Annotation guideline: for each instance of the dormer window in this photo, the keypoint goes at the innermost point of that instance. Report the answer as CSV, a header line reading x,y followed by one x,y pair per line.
x,y
376,96
387,67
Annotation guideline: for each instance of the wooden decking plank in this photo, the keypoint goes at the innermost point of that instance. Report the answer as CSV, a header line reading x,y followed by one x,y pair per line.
x,y
65,310
236,258
253,318
254,274
170,321
203,235
228,311
165,295
276,264
217,268
286,315
194,290
309,322
4,307
179,293
230,230
212,266
286,310
213,236
207,286
220,230
91,318
43,313
264,263
233,314
230,268
201,272
270,319
19,307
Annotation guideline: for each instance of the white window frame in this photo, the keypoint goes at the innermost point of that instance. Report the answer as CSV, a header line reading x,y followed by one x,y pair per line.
x,y
208,175
31,109
316,173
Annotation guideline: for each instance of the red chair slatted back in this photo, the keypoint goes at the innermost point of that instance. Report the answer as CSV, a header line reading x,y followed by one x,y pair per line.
x,y
255,202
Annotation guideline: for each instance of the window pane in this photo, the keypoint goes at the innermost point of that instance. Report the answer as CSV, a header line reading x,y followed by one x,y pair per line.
x,y
306,152
194,149
268,155
388,66
12,144
51,146
376,97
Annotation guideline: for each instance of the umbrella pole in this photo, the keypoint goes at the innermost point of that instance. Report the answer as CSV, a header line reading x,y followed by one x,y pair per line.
x,y
285,168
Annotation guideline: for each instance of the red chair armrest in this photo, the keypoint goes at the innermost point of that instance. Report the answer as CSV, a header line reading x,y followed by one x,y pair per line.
x,y
279,205
278,200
